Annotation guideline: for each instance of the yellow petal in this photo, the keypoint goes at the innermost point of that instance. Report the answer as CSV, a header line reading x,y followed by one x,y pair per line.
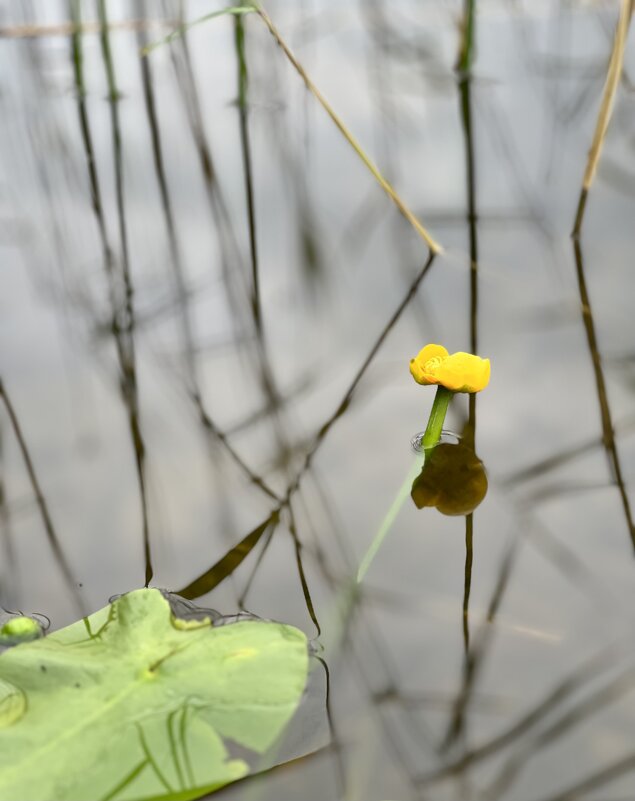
x,y
431,352
463,372
418,373
423,366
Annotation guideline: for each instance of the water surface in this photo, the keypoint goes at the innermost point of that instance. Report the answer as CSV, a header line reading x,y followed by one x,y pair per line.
x,y
178,370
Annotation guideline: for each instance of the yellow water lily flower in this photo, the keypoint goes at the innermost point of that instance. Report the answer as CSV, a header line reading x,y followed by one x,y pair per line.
x,y
458,372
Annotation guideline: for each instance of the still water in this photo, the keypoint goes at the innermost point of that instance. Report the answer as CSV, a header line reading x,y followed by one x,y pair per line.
x,y
206,319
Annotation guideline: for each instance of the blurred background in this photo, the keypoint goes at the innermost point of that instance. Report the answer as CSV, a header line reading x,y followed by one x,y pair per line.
x,y
207,310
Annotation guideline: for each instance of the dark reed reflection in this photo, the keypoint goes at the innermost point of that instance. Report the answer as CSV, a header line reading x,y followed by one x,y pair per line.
x,y
8,575
175,249
51,533
121,291
608,434
464,64
124,313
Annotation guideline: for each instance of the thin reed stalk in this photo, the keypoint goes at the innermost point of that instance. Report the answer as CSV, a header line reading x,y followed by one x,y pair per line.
x,y
434,246
613,75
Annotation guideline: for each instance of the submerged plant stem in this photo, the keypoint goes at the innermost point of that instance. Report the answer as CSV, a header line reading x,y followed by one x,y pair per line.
x,y
387,522
430,438
437,417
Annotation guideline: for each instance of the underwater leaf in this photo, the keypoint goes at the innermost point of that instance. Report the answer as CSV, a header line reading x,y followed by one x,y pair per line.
x,y
226,565
133,703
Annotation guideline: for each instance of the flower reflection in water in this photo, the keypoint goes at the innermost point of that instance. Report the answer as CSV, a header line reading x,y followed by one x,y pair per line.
x,y
452,479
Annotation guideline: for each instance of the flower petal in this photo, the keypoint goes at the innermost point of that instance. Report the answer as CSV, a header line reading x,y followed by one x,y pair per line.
x,y
420,365
419,374
431,352
464,372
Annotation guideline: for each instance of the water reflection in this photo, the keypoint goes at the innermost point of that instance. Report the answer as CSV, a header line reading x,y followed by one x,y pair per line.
x,y
218,298
452,479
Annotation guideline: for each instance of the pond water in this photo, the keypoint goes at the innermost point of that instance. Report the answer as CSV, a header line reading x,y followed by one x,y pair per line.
x,y
188,357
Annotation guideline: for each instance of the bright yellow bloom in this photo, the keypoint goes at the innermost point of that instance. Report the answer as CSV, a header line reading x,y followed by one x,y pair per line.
x,y
458,372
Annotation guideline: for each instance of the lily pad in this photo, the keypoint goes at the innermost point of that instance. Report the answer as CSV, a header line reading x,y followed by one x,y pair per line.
x,y
134,703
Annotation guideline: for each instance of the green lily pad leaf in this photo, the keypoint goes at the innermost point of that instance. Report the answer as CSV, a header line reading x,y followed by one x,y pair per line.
x,y
132,705
12,704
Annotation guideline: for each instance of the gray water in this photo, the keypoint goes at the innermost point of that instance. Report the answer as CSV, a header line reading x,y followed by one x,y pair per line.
x,y
159,440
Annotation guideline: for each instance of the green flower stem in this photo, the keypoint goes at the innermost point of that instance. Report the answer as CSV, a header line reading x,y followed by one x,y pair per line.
x,y
430,438
389,519
437,416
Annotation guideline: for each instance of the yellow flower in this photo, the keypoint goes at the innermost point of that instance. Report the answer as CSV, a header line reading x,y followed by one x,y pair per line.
x,y
458,372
